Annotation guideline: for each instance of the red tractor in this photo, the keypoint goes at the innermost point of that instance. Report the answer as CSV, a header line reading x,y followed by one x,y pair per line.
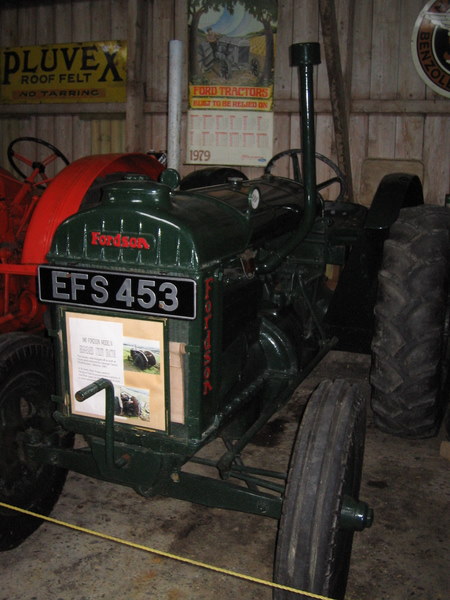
x,y
31,208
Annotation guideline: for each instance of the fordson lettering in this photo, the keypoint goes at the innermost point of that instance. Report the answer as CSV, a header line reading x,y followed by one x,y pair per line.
x,y
118,240
207,387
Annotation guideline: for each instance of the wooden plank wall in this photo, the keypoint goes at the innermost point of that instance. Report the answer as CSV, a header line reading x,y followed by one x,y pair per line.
x,y
393,115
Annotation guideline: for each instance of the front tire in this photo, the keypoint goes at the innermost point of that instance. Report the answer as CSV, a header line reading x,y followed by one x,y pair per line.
x,y
313,547
409,344
26,408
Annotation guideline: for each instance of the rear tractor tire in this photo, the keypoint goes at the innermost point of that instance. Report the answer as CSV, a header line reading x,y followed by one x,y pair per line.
x,y
409,347
26,414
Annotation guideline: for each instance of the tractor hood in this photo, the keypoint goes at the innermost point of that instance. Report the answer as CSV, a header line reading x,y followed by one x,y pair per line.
x,y
139,223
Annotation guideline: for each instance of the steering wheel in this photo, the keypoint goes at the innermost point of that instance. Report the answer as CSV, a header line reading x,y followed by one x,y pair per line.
x,y
294,154
38,167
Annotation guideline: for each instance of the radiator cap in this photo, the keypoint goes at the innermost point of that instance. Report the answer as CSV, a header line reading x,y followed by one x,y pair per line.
x,y
138,189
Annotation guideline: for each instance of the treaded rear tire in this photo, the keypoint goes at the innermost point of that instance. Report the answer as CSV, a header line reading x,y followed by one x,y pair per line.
x,y
409,344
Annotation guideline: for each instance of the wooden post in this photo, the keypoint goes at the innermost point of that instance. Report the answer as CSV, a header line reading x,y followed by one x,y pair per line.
x,y
338,91
134,114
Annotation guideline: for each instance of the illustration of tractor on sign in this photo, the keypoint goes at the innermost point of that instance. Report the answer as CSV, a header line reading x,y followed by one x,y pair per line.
x,y
225,55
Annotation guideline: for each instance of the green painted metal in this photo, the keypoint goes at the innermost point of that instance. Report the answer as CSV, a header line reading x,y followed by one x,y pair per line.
x,y
256,251
181,229
355,515
304,56
87,392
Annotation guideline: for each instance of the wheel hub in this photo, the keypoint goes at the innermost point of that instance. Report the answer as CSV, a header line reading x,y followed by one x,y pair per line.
x,y
355,515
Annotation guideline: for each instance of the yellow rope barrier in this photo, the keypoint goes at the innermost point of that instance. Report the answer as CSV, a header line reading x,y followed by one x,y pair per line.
x,y
182,559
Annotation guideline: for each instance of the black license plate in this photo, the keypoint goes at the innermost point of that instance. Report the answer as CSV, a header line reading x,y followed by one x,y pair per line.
x,y
107,290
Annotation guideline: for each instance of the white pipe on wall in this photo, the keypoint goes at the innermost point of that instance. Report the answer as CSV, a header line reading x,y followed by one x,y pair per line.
x,y
174,117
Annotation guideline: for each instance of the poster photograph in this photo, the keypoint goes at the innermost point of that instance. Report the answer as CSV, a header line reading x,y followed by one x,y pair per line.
x,y
128,352
231,71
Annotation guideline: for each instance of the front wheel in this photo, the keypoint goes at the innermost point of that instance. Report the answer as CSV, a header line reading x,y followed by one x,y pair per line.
x,y
321,508
26,408
411,324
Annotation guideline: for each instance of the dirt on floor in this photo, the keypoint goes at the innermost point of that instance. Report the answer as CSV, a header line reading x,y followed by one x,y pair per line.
x,y
403,556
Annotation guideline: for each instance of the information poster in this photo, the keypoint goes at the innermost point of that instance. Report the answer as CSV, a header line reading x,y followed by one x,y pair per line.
x,y
130,353
230,138
231,74
83,72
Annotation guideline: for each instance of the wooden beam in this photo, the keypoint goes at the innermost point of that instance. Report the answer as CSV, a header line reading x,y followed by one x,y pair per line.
x,y
338,93
134,113
322,107
367,106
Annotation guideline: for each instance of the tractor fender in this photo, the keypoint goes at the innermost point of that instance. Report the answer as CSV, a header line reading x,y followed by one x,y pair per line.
x,y
65,193
396,191
350,314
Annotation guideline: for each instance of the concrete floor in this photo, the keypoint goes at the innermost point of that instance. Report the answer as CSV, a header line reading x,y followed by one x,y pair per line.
x,y
404,556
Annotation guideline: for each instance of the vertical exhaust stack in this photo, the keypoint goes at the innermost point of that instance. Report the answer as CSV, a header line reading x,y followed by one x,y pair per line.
x,y
304,56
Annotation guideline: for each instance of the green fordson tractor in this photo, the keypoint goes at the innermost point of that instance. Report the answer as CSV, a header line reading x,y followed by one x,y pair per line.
x,y
182,313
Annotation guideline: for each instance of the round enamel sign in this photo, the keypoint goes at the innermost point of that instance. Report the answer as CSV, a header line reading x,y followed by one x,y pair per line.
x,y
430,46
